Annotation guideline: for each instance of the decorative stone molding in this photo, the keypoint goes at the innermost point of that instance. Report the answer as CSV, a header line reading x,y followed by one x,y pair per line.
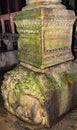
x,y
45,34
45,40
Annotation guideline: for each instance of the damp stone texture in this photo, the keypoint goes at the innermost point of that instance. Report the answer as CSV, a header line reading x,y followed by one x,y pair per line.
x,y
45,29
41,97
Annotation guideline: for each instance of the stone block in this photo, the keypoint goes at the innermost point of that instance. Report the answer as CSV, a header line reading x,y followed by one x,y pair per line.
x,y
45,34
40,99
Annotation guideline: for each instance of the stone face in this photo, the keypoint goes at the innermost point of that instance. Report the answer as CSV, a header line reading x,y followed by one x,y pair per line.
x,y
45,40
45,35
40,99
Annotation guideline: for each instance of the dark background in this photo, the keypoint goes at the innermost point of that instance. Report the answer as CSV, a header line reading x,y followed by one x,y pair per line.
x,y
9,6
71,4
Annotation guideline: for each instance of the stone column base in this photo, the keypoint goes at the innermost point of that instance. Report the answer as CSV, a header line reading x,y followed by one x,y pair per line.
x,y
40,99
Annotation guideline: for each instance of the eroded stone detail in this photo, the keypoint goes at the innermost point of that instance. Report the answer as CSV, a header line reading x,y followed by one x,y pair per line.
x,y
45,35
40,99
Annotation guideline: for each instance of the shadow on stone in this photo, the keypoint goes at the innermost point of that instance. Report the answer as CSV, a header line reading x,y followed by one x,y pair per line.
x,y
52,107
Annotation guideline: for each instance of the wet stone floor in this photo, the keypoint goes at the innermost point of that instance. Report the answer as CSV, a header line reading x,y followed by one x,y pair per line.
x,y
10,122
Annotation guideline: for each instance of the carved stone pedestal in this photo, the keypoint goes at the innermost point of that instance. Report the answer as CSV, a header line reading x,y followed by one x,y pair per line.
x,y
45,28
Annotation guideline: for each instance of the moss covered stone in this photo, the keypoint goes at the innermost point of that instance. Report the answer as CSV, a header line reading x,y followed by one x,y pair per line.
x,y
40,98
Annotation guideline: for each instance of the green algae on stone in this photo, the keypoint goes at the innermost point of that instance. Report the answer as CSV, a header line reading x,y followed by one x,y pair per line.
x,y
34,97
26,14
43,38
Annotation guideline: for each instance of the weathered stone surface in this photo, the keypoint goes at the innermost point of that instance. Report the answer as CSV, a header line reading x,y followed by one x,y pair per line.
x,y
40,98
41,1
45,40
45,34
